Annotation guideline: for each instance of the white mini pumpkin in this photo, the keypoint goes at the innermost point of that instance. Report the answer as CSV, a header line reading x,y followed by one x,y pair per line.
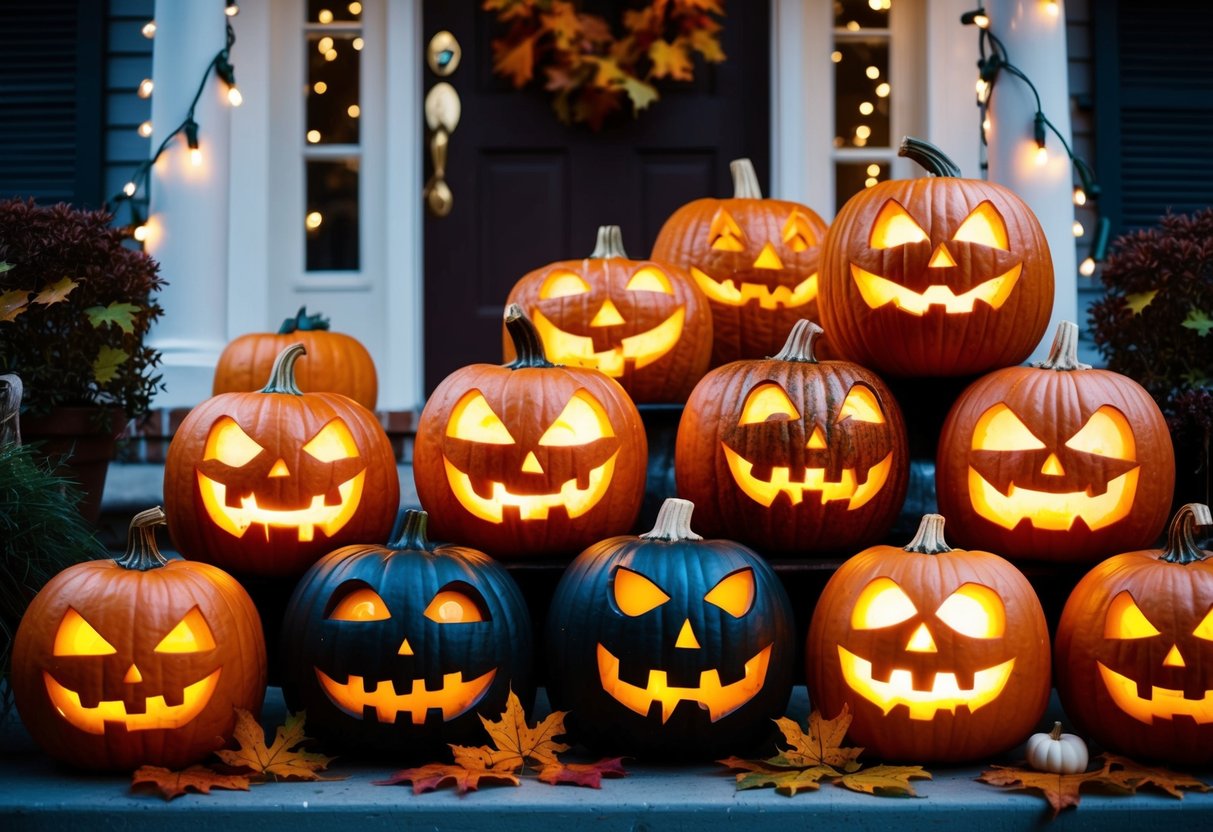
x,y
1057,752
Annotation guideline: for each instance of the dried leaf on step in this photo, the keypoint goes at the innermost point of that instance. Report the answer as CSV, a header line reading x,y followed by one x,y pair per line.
x,y
429,777
534,746
582,774
820,743
885,781
170,784
279,760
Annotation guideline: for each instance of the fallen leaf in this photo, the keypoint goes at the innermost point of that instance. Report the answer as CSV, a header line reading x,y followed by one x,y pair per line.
x,y
885,781
582,774
515,61
278,760
56,292
787,781
121,315
429,777
821,743
483,757
200,779
105,365
1133,775
1140,300
1198,320
535,746
670,60
13,304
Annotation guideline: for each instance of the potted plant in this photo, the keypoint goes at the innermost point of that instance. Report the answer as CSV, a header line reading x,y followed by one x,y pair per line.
x,y
75,305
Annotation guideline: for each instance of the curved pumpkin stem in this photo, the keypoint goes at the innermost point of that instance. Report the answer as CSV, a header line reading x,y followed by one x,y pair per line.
x,y
528,346
673,522
282,374
303,322
410,532
930,157
142,553
745,180
609,244
1056,732
10,409
929,539
799,346
1181,538
1063,355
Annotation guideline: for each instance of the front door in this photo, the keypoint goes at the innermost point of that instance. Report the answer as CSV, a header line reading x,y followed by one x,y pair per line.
x,y
526,189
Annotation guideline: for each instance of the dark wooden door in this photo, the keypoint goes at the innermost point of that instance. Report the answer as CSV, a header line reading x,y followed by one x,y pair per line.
x,y
529,190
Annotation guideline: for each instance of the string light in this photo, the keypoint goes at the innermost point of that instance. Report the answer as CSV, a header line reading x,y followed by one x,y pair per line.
x,y
1051,8
232,9
149,29
1078,229
145,88
1080,196
191,139
145,129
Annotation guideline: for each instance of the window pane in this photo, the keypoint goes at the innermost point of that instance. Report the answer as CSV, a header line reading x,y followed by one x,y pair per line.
x,y
329,11
861,101
333,106
854,15
332,215
852,177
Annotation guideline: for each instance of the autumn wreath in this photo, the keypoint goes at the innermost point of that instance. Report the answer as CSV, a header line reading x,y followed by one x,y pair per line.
x,y
587,67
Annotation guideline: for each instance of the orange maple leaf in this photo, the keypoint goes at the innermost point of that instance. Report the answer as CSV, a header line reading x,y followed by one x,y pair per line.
x,y
515,61
429,777
582,774
535,746
563,22
277,760
670,60
200,779
13,304
55,292
821,743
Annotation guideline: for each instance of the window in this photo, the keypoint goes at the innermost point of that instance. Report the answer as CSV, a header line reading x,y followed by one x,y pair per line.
x,y
863,147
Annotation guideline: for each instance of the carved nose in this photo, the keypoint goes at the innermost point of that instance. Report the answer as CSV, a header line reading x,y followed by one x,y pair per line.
x,y
531,465
768,259
941,258
921,641
607,315
280,469
1052,467
405,648
1174,659
133,676
686,637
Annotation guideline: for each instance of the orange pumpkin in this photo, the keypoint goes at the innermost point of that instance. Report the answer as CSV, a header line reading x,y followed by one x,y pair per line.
x,y
643,323
756,260
335,362
937,276
529,459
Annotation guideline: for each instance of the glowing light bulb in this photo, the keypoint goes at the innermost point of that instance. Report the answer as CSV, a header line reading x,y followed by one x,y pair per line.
x,y
320,88
357,43
314,219
353,110
330,55
355,8
232,10
149,29
324,44
836,56
196,157
1087,268
873,170
985,124
313,136
863,131
866,108
981,21
1051,8
882,90
983,90
234,97
874,5
872,72
145,129
145,88
1080,196
140,232
869,182
325,16
1078,229
129,189
1042,155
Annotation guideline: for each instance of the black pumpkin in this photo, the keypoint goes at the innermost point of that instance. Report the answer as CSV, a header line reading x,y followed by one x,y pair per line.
x,y
668,645
400,648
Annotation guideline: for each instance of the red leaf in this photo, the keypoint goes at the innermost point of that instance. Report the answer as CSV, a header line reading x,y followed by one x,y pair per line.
x,y
582,774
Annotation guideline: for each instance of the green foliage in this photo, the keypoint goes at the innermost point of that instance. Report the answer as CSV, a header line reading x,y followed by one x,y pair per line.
x,y
75,306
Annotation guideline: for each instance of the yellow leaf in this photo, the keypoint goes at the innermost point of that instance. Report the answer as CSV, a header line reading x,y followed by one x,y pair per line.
x,y
201,779
56,292
821,744
535,746
105,365
886,781
640,93
670,60
13,304
786,781
278,759
609,75
708,45
1140,300
562,22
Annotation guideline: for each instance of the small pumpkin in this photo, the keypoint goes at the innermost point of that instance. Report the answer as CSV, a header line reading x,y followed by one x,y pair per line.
x,y
1135,649
402,648
935,276
530,458
643,323
335,362
942,654
791,454
137,660
1057,753
756,260
669,645
265,483
1056,461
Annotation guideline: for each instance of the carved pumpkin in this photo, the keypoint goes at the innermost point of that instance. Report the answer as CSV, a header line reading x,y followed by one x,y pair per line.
x,y
137,660
1055,462
938,276
669,645
942,654
335,362
1135,649
265,483
401,648
529,458
791,454
642,323
756,260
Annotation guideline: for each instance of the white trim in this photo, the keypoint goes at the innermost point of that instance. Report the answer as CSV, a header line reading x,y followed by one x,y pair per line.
x,y
801,75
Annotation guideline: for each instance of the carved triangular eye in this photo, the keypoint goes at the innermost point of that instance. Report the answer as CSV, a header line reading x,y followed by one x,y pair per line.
x,y
724,234
984,226
360,604
767,401
1126,620
895,227
734,594
334,442
456,603
76,637
798,233
861,405
1205,628
474,420
562,284
191,635
635,594
1106,433
882,604
650,279
975,611
229,444
999,429
582,421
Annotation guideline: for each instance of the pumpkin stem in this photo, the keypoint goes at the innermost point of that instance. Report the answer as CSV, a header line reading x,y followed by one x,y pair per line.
x,y
303,322
929,539
1063,355
1056,732
745,180
1181,538
799,346
930,157
610,243
282,374
142,553
528,346
673,522
10,409
409,531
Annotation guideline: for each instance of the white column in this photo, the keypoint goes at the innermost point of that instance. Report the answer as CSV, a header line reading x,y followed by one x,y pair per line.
x,y
1034,32
188,222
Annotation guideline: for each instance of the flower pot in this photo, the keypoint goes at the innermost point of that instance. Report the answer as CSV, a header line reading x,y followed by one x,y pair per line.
x,y
84,440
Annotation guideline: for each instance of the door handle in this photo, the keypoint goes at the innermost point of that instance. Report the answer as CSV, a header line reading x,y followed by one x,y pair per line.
x,y
442,112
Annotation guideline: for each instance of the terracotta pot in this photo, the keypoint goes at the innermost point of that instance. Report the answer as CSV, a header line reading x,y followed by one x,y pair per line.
x,y
84,441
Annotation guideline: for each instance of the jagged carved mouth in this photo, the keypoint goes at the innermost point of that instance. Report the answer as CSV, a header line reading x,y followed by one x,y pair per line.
x,y
945,693
717,699
157,713
236,520
574,500
455,698
813,480
1053,511
728,292
878,291
1162,703
641,349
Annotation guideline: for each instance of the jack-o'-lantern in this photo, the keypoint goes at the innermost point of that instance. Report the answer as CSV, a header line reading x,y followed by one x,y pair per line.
x,y
669,645
792,454
936,276
529,458
643,323
1055,462
401,648
265,483
335,362
942,654
756,260
137,660
1135,649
